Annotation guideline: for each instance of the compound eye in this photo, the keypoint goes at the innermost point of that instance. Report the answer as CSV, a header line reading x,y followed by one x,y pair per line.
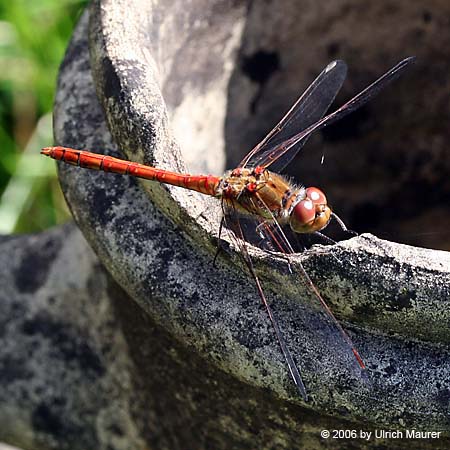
x,y
303,215
316,196
312,213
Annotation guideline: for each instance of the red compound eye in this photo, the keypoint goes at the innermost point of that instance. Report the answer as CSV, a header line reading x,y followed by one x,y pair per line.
x,y
312,213
304,212
316,196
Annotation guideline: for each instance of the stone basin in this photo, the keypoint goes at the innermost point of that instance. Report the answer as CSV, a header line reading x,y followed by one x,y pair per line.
x,y
193,86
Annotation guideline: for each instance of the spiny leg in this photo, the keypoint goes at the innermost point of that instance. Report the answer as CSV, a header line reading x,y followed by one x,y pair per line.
x,y
239,239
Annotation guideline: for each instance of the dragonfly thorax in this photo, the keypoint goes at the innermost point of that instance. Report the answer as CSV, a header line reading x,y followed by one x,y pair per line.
x,y
268,195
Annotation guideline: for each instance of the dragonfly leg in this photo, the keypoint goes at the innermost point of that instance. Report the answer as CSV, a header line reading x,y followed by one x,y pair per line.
x,y
325,237
219,246
342,224
324,250
265,243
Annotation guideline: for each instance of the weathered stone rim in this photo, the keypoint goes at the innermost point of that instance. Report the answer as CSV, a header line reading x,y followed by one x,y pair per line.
x,y
116,51
116,234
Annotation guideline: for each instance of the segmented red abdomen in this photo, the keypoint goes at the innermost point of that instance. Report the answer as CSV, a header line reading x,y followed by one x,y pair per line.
x,y
206,184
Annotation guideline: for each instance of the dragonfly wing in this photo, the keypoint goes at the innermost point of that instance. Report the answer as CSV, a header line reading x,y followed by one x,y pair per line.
x,y
307,110
233,224
282,153
275,233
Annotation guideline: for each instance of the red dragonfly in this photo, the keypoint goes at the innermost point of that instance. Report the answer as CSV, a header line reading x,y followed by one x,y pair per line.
x,y
252,190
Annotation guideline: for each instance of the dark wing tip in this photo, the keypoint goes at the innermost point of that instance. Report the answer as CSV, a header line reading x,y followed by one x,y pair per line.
x,y
410,59
405,62
337,64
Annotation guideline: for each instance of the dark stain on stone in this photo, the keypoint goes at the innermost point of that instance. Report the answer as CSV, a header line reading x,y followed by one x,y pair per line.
x,y
46,420
13,368
132,240
161,269
116,429
364,311
343,411
402,301
260,66
67,341
10,313
35,265
50,417
75,54
112,82
443,398
136,76
102,204
390,370
94,284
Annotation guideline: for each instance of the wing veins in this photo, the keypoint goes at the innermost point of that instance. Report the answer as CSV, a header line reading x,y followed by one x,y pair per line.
x,y
354,103
293,369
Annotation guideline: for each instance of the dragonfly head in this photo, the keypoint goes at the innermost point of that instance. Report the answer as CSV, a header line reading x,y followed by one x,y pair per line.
x,y
312,213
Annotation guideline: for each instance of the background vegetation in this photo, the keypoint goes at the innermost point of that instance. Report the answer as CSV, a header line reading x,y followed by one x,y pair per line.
x,y
33,38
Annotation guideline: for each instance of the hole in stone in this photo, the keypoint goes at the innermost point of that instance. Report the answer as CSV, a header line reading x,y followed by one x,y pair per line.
x,y
333,49
260,66
426,16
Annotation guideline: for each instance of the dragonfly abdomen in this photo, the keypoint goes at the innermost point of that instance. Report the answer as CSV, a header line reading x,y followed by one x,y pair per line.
x,y
206,184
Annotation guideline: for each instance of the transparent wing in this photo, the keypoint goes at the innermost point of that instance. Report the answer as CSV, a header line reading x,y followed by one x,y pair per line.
x,y
274,232
282,153
307,110
233,224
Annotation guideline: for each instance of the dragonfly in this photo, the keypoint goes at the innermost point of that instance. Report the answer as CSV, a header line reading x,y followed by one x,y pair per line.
x,y
251,190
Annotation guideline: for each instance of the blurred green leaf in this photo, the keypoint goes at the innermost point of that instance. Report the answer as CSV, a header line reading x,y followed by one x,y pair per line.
x,y
33,38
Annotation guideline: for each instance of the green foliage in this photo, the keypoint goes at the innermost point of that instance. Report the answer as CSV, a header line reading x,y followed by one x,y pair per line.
x,y
33,38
